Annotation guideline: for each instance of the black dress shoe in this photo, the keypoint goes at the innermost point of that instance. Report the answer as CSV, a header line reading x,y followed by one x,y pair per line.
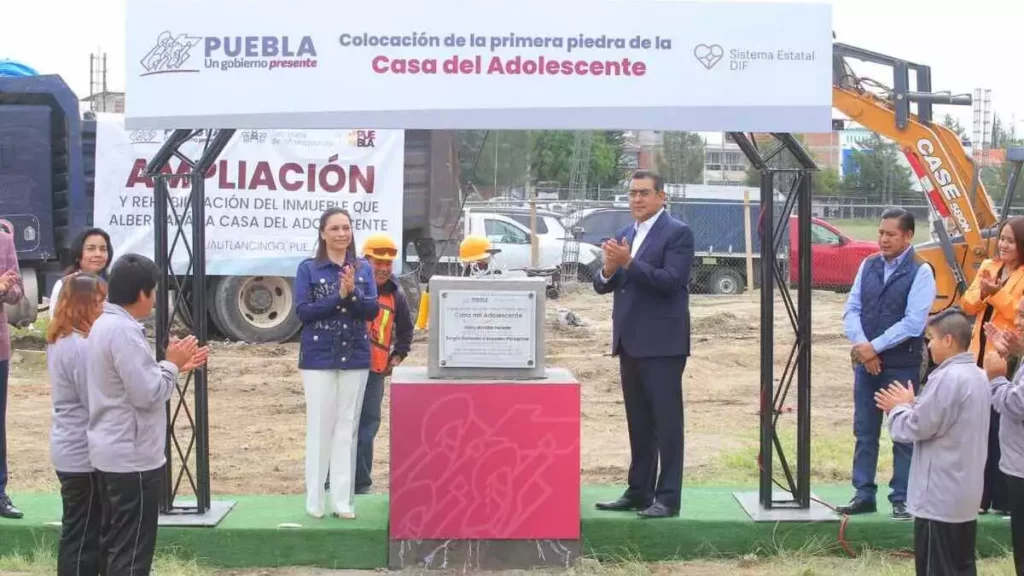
x,y
658,510
857,507
8,509
620,505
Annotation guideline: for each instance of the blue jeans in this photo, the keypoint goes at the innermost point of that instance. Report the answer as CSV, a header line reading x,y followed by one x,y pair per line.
x,y
4,365
369,423
867,426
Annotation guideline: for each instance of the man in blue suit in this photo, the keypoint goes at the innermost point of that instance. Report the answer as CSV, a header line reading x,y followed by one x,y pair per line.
x,y
647,267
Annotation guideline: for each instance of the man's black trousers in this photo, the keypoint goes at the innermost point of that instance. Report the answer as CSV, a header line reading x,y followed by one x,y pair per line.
x,y
133,503
653,392
942,549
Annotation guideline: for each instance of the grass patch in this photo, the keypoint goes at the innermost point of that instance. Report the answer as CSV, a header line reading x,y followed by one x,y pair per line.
x,y
859,228
831,458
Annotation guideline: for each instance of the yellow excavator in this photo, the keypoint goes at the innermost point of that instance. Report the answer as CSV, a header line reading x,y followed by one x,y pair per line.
x,y
964,222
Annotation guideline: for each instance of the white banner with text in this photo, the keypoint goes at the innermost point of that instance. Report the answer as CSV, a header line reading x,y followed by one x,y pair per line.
x,y
264,193
495,64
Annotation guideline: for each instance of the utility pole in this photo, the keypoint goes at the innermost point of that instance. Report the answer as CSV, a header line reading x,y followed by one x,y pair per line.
x,y
531,192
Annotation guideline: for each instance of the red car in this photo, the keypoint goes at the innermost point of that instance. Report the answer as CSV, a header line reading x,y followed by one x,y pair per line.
x,y
835,257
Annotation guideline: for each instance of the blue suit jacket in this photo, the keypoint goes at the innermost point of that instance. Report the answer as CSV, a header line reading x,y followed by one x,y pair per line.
x,y
651,306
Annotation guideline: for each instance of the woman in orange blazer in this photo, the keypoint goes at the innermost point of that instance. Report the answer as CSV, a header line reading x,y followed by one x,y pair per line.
x,y
993,298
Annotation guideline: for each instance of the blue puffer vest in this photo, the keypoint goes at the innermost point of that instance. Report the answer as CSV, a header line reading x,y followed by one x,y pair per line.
x,y
334,329
883,304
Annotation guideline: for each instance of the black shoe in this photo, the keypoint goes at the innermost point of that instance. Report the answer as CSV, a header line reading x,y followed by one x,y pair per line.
x,y
899,511
8,509
623,504
857,507
658,510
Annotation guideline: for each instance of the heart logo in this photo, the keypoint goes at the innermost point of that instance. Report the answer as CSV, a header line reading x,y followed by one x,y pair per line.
x,y
708,55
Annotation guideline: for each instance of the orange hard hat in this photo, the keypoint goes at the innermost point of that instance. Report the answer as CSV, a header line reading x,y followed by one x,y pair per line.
x,y
474,248
380,246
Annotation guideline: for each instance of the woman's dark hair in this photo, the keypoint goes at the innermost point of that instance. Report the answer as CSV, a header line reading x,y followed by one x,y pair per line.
x,y
321,245
1016,225
78,245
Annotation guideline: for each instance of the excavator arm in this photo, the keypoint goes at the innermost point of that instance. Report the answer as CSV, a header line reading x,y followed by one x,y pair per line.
x,y
964,218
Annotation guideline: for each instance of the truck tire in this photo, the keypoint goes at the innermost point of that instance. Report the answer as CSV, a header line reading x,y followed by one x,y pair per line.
x,y
254,309
726,281
26,311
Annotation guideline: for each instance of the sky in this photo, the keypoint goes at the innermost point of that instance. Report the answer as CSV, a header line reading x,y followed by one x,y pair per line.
x,y
968,44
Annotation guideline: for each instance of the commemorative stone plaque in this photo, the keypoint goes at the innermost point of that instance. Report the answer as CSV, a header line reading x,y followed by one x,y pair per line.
x,y
486,328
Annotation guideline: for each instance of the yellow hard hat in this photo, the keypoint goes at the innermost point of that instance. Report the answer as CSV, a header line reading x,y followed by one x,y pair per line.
x,y
380,246
474,248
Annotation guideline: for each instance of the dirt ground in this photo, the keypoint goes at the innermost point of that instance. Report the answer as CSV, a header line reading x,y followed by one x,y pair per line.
x,y
257,422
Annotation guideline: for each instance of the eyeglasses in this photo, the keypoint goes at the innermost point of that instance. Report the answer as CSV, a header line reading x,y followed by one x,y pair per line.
x,y
389,252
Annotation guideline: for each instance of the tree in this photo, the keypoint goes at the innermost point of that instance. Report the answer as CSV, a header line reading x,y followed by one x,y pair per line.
x,y
681,160
954,125
879,173
550,155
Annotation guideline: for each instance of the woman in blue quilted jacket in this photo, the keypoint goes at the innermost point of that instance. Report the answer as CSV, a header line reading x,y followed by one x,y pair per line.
x,y
335,297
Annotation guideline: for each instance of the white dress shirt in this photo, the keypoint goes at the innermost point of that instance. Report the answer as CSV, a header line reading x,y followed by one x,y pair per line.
x,y
641,229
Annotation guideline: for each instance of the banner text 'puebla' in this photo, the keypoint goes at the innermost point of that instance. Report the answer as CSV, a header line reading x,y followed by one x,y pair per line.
x,y
489,64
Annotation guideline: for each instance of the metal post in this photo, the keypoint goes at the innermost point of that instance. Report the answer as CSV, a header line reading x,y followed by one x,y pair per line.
x,y
161,197
767,224
190,308
804,337
199,328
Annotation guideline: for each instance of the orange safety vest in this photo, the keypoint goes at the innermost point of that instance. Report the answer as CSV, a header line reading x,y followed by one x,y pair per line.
x,y
381,332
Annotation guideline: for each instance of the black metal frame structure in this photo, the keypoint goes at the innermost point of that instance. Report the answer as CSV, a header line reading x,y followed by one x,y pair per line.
x,y
188,222
773,231
189,306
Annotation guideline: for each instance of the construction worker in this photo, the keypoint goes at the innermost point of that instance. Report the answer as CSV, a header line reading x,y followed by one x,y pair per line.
x,y
390,341
475,253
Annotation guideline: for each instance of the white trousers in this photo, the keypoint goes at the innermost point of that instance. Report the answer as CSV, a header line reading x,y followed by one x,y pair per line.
x,y
334,399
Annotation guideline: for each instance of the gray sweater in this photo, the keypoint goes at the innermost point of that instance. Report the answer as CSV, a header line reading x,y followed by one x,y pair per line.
x,y
67,360
948,424
1008,401
127,392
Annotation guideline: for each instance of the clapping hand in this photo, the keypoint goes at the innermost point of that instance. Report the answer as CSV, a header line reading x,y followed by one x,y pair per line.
x,y
186,354
616,254
6,279
888,398
995,365
347,280
989,286
1005,342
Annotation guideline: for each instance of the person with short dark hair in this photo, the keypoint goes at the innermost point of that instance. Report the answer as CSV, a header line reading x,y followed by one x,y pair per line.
x,y
948,426
884,320
67,357
11,292
128,392
647,268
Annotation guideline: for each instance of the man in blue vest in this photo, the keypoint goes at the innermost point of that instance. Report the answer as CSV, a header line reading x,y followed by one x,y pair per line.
x,y
884,320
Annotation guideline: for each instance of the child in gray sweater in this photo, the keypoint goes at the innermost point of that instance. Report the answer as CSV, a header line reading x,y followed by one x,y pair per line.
x,y
948,425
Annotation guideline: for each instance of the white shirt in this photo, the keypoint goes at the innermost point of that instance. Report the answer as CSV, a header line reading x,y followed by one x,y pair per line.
x,y
642,229
54,295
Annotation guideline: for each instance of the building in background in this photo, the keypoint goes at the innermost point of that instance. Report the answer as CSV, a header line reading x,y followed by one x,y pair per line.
x,y
106,102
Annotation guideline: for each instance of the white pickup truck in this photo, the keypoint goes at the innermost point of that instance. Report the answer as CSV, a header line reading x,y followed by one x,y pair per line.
x,y
511,237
